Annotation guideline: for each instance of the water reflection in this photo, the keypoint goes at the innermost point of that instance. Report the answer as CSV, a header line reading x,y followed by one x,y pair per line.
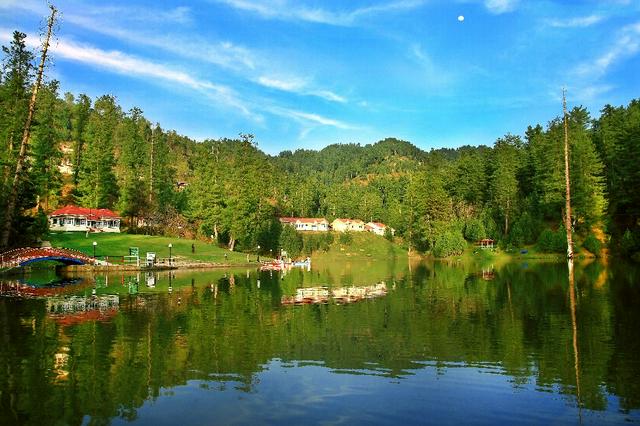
x,y
442,336
324,294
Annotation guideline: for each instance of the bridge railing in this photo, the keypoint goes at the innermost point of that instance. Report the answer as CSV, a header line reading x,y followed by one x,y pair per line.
x,y
16,257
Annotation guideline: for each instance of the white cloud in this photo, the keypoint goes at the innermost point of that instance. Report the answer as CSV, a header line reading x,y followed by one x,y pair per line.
x,y
309,118
431,75
500,6
121,63
293,11
298,86
328,95
583,21
290,85
224,54
626,44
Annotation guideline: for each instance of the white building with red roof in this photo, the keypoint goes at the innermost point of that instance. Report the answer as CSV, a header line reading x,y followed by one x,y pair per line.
x,y
378,228
74,218
306,223
348,225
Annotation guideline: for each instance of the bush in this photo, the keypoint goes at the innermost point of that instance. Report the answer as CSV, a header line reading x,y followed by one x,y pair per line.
x,y
449,243
524,230
345,238
592,244
628,243
474,230
552,242
316,242
291,241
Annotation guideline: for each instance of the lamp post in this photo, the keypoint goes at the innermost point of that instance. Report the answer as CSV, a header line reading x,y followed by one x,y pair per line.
x,y
95,243
170,246
258,256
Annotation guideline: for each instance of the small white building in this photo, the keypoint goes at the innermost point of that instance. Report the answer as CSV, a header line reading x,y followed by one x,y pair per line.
x,y
378,228
348,225
306,223
73,218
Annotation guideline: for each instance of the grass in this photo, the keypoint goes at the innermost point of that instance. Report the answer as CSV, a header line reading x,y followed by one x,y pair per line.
x,y
362,245
112,244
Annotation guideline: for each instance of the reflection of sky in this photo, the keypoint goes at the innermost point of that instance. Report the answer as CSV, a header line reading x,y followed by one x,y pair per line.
x,y
309,393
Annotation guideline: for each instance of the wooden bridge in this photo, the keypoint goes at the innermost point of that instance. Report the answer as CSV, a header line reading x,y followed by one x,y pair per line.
x,y
27,255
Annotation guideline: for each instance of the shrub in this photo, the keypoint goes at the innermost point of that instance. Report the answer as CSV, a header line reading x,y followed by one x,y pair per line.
x,y
628,243
545,241
592,244
449,243
291,241
474,230
552,242
345,238
316,242
524,230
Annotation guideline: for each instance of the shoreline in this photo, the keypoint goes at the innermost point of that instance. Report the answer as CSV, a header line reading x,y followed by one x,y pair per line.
x,y
133,268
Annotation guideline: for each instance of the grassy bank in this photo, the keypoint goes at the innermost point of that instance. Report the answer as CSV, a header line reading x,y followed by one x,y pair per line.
x,y
360,245
118,245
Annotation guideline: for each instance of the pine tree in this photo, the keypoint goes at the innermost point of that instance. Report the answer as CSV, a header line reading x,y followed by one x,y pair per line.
x,y
97,183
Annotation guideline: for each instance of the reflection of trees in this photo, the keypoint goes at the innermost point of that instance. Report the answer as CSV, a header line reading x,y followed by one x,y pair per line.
x,y
225,329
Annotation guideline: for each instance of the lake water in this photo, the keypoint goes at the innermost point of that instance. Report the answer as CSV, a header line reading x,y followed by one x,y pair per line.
x,y
366,343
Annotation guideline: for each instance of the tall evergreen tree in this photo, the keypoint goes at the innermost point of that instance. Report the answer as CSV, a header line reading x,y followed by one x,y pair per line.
x,y
46,153
97,183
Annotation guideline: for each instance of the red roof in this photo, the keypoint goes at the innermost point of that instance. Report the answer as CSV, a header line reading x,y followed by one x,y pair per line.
x,y
378,224
83,211
302,220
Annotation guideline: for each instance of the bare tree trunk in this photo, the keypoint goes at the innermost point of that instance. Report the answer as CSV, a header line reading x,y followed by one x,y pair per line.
x,y
215,232
506,219
232,244
20,165
574,328
567,216
5,174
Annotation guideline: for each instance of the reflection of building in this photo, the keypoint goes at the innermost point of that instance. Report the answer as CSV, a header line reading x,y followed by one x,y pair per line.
x,y
488,274
73,218
78,309
347,225
306,223
313,295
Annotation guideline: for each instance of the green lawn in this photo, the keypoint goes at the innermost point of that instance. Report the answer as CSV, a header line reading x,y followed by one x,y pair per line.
x,y
362,245
118,245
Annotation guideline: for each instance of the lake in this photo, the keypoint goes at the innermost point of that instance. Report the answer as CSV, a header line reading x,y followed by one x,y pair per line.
x,y
361,343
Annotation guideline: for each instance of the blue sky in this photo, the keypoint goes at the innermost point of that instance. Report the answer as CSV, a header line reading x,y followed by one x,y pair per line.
x,y
308,73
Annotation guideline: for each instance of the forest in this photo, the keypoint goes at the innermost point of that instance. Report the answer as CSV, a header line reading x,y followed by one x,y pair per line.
x,y
91,152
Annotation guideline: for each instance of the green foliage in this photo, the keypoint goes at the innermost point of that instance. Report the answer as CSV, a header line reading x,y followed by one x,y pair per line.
x,y
235,192
474,230
449,243
345,238
524,231
592,244
314,242
628,243
552,242
291,241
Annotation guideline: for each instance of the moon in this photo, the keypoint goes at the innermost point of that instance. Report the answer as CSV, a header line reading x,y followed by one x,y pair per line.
x,y
461,18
